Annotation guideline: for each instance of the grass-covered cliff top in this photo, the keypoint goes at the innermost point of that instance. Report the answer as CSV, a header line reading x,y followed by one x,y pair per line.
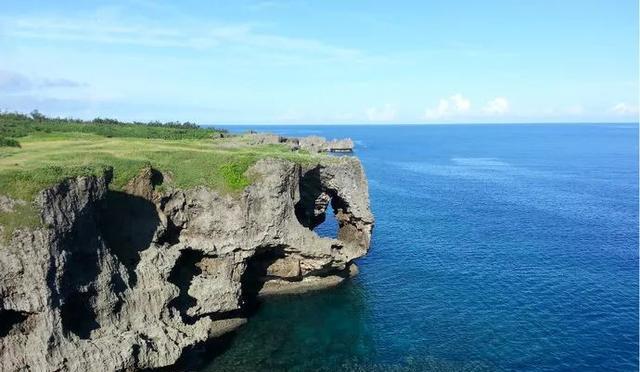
x,y
37,152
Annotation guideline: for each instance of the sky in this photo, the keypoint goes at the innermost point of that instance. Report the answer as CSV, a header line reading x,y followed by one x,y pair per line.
x,y
322,61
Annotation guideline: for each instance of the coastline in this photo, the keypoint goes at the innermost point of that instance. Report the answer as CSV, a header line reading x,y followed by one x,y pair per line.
x,y
160,269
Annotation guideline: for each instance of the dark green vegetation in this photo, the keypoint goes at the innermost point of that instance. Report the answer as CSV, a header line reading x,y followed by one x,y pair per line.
x,y
16,125
8,142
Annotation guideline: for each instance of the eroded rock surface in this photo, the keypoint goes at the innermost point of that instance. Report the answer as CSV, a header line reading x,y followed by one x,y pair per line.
x,y
313,144
129,280
321,144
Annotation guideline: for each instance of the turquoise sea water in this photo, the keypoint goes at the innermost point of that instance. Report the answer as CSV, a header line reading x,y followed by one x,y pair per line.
x,y
496,247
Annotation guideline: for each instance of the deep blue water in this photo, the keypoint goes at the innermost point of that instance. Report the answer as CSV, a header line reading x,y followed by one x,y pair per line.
x,y
496,247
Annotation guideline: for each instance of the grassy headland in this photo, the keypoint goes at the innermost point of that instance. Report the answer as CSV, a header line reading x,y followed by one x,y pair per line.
x,y
37,152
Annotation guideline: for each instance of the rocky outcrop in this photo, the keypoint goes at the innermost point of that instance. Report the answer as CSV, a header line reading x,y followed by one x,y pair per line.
x,y
313,144
129,280
321,144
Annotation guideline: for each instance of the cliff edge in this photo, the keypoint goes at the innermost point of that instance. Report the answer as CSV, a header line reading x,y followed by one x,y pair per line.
x,y
129,279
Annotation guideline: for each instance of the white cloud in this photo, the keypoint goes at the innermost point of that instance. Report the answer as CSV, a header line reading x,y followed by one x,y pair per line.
x,y
454,105
497,106
461,104
385,113
439,111
624,108
147,33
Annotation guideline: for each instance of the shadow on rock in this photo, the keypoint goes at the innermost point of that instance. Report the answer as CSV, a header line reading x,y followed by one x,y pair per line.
x,y
185,269
128,225
196,357
81,267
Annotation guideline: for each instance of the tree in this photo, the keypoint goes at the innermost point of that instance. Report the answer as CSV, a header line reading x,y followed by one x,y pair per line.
x,y
36,115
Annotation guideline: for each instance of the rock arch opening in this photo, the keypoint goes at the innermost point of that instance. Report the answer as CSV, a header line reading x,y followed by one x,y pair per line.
x,y
329,227
318,202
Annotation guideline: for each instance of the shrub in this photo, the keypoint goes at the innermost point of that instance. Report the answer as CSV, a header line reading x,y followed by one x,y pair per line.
x,y
8,142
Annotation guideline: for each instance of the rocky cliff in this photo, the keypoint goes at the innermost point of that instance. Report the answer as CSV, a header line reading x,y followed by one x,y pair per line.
x,y
129,280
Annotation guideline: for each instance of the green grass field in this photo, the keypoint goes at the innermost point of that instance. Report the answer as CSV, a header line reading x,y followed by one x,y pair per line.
x,y
48,153
46,159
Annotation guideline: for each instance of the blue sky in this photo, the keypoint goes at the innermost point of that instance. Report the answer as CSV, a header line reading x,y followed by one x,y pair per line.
x,y
323,61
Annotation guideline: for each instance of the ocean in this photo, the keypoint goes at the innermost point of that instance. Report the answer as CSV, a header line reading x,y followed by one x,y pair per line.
x,y
496,248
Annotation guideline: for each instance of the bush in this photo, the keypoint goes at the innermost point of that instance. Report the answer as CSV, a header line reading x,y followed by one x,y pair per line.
x,y
8,142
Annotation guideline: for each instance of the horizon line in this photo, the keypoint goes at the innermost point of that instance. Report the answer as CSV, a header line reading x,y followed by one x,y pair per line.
x,y
426,124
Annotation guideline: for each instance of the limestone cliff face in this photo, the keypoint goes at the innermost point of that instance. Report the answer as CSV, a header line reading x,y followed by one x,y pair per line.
x,y
128,280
